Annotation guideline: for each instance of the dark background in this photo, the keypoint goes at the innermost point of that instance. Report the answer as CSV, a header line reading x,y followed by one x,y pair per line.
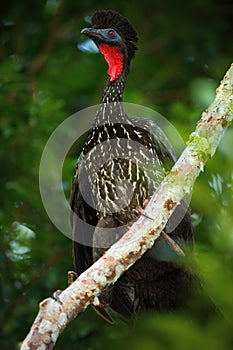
x,y
184,50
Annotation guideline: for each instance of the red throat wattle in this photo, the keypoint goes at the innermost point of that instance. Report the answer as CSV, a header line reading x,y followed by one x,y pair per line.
x,y
114,58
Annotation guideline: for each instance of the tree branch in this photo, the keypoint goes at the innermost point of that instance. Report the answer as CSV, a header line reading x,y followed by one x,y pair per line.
x,y
54,316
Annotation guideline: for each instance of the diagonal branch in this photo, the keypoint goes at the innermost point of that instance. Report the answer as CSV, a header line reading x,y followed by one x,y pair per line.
x,y
54,316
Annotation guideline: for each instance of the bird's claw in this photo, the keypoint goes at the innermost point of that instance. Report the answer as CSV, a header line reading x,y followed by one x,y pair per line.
x,y
72,276
56,294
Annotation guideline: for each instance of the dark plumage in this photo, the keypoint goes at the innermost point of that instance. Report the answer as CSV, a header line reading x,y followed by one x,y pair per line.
x,y
122,163
112,19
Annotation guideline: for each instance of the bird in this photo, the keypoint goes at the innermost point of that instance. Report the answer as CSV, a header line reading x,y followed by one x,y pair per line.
x,y
121,165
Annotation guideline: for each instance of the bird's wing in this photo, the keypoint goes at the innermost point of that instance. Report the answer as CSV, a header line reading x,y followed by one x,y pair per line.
x,y
82,230
163,146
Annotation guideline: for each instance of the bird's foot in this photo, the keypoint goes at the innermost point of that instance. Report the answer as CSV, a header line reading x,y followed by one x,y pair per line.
x,y
56,294
172,244
140,211
98,303
72,276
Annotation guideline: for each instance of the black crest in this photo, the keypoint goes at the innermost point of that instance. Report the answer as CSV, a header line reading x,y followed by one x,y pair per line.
x,y
113,19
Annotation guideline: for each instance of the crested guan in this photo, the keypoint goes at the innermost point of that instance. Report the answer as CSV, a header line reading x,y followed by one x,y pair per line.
x,y
122,163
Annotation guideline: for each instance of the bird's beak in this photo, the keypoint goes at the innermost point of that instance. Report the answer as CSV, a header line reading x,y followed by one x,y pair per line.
x,y
92,33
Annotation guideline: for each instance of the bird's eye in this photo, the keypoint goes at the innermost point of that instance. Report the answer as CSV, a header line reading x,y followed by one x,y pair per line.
x,y
111,33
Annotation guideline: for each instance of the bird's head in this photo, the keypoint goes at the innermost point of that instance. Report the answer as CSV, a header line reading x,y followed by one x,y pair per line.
x,y
115,38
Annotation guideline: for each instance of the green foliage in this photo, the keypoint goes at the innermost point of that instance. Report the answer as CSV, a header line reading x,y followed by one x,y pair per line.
x,y
177,332
184,50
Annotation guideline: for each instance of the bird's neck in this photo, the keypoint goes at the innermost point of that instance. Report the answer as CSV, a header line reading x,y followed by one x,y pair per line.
x,y
113,91
111,109
117,70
